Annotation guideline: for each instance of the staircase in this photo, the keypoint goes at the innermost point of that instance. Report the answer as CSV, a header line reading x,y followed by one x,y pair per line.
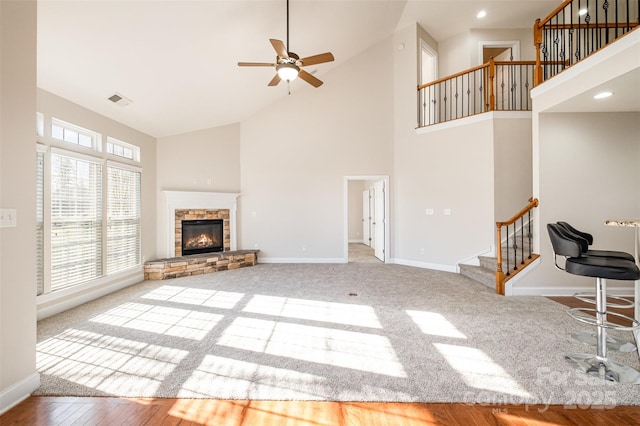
x,y
515,253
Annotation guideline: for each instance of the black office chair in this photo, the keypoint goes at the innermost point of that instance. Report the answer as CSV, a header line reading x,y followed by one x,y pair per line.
x,y
601,268
590,337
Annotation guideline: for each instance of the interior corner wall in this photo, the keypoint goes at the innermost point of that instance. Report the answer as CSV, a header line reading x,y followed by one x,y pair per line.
x,y
18,375
206,160
588,173
295,155
450,167
513,165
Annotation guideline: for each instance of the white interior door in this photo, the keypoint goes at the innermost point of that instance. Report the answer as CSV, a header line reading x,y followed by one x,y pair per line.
x,y
366,218
379,219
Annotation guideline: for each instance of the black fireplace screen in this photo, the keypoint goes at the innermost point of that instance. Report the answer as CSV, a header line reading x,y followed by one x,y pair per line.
x,y
202,236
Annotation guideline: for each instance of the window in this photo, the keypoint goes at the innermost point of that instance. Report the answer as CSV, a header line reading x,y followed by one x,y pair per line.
x,y
123,225
40,221
73,134
88,208
123,149
76,220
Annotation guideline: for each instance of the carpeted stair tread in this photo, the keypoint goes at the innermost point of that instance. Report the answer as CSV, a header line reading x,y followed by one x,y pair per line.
x,y
478,273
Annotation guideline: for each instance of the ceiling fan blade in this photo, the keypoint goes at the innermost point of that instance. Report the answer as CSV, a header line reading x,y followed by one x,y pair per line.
x,y
317,59
255,64
279,47
309,78
275,80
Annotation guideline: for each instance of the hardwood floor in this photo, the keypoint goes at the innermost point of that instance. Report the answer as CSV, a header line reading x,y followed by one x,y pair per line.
x,y
51,411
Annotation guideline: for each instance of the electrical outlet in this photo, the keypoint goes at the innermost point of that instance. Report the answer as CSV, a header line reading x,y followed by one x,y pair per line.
x,y
447,212
422,251
256,246
8,218
428,212
304,247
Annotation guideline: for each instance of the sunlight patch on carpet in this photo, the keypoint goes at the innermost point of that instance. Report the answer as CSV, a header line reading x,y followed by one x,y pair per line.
x,y
339,348
195,296
315,310
478,370
106,363
160,320
435,324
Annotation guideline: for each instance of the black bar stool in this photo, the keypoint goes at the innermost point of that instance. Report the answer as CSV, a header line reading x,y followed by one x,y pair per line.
x,y
586,336
601,268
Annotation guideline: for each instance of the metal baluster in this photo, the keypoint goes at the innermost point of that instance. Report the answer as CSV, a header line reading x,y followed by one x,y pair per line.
x,y
522,240
529,233
515,248
468,93
456,97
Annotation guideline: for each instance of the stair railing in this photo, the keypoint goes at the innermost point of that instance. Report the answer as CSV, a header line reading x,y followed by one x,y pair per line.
x,y
520,258
578,28
493,86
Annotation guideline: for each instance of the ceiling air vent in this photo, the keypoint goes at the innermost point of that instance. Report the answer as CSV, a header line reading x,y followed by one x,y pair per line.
x,y
119,99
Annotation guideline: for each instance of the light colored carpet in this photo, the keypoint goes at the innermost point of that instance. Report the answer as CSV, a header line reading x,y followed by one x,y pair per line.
x,y
352,332
360,253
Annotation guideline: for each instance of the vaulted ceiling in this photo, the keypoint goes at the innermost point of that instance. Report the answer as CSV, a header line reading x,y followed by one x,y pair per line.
x,y
176,59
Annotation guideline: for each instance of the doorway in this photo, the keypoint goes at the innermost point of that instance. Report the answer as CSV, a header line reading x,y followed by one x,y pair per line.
x,y
366,213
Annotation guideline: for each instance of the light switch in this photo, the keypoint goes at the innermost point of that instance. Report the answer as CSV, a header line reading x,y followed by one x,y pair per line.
x,y
447,212
428,212
8,218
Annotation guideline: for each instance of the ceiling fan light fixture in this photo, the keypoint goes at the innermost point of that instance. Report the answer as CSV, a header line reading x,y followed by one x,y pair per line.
x,y
287,72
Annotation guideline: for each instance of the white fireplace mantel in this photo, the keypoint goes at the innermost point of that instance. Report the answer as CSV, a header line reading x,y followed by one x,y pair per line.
x,y
178,200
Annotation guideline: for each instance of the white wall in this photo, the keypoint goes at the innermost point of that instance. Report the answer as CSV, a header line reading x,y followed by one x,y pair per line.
x,y
523,35
206,160
295,154
513,165
588,166
18,375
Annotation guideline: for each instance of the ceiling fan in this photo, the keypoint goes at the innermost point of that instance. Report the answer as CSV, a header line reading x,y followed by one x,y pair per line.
x,y
288,64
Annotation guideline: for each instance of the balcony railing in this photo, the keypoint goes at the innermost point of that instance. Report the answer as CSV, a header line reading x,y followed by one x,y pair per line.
x,y
573,31
494,86
578,28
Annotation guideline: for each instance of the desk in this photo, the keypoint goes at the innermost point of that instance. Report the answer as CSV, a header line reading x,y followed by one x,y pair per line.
x,y
633,223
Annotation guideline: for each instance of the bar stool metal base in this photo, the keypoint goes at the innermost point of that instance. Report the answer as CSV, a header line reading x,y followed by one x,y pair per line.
x,y
605,369
613,343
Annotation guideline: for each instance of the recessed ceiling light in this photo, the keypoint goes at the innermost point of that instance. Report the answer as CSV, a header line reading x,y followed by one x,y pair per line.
x,y
603,95
583,11
481,14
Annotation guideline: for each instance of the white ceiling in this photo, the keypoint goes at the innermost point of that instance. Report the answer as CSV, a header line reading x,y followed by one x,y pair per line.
x,y
176,59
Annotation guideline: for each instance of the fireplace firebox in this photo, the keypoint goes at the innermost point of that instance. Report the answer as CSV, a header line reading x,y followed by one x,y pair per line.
x,y
202,236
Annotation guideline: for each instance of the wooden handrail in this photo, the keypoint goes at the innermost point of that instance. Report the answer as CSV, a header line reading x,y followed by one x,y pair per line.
x,y
557,10
533,202
476,68
545,24
452,76
500,278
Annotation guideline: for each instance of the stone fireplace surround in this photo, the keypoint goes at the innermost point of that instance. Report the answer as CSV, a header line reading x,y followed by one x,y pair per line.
x,y
179,205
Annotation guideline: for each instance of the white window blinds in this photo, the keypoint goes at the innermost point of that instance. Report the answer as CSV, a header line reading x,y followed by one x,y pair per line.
x,y
40,222
76,220
123,224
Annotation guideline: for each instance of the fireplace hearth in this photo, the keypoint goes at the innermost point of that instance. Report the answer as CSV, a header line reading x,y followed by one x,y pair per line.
x,y
202,236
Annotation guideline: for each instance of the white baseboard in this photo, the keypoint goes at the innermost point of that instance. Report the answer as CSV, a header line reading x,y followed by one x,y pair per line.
x,y
358,241
17,393
52,304
569,291
425,265
301,260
